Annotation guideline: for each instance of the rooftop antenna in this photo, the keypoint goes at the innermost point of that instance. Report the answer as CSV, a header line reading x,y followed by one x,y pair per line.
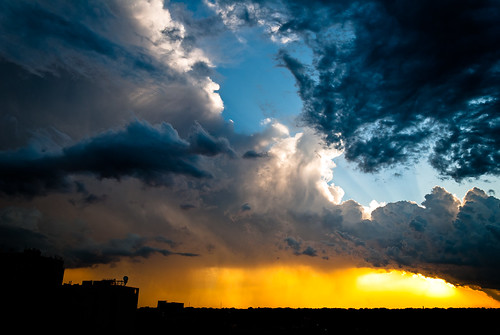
x,y
125,280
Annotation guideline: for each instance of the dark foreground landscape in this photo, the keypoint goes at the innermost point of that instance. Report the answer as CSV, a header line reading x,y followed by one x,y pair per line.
x,y
317,321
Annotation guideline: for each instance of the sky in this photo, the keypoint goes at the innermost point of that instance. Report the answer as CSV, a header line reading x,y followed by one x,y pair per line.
x,y
257,152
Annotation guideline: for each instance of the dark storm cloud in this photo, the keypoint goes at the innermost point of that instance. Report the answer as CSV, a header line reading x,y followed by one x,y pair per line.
x,y
252,154
392,81
149,153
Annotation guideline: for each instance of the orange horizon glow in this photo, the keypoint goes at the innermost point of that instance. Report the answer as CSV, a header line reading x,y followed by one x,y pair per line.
x,y
298,287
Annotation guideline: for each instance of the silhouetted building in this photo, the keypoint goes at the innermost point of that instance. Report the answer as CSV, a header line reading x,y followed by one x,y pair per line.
x,y
105,305
166,317
30,270
166,307
29,284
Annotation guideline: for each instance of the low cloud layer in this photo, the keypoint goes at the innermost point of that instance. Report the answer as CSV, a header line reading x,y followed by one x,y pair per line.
x,y
445,237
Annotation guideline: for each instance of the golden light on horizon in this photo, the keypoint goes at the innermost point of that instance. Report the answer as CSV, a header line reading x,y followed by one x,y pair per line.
x,y
299,287
303,286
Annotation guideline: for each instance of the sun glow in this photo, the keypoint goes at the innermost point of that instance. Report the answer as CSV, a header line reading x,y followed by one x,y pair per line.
x,y
406,282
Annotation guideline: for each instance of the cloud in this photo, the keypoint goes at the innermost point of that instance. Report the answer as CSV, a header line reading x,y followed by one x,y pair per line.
x,y
94,132
290,214
296,245
149,153
295,171
132,246
392,82
187,207
202,143
293,244
310,251
97,65
251,154
408,81
88,199
246,207
126,35
445,237
102,99
86,251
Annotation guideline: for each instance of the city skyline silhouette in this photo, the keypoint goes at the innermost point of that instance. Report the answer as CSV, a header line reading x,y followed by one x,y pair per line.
x,y
36,299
